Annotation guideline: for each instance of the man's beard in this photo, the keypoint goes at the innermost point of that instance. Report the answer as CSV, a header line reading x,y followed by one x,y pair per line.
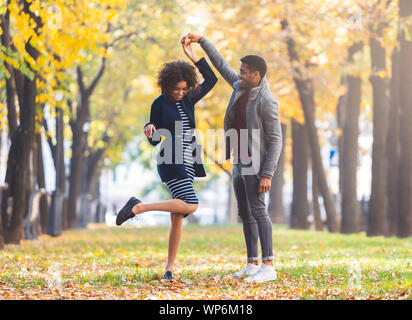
x,y
245,84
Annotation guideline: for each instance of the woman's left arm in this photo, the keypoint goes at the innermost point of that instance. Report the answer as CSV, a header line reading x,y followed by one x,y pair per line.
x,y
209,82
209,77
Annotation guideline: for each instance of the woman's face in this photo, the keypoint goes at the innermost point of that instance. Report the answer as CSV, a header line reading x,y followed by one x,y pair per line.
x,y
179,91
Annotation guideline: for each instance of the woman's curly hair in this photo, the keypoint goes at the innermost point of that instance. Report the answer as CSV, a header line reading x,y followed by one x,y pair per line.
x,y
173,72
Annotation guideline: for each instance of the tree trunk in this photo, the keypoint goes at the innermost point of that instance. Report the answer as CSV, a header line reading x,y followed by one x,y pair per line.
x,y
61,178
350,203
21,146
76,162
11,115
41,183
276,206
405,163
57,151
75,180
59,165
315,202
10,90
299,211
392,151
377,204
342,102
1,232
31,184
304,86
92,164
19,158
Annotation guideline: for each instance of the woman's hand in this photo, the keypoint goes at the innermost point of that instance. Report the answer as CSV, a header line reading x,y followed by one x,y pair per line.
x,y
149,129
188,50
191,37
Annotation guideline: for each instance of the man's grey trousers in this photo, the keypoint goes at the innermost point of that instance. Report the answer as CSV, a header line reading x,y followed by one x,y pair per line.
x,y
254,215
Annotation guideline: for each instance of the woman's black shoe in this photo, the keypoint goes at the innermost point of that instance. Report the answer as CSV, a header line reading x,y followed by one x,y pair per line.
x,y
126,212
169,276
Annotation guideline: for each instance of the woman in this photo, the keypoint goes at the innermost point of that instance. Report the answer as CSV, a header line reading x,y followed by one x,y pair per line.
x,y
180,92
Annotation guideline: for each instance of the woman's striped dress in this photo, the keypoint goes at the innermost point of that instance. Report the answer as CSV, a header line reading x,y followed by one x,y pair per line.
x,y
183,188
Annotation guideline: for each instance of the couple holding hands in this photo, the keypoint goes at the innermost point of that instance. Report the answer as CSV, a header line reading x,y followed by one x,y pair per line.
x,y
251,108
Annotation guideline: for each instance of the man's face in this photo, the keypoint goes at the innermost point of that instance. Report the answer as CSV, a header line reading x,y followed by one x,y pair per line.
x,y
247,78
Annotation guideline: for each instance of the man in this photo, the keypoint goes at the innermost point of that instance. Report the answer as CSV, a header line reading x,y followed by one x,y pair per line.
x,y
252,108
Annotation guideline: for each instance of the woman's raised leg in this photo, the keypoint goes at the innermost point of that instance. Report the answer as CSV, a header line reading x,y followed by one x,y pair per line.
x,y
175,205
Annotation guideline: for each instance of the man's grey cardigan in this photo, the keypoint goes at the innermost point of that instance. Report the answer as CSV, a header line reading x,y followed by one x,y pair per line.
x,y
262,112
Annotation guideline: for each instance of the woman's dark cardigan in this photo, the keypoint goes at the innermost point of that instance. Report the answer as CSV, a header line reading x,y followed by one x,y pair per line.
x,y
164,114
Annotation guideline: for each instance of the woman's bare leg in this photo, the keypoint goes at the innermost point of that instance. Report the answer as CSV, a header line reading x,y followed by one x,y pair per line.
x,y
174,239
174,205
180,208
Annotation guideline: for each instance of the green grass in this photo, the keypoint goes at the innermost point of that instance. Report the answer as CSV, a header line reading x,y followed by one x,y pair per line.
x,y
127,263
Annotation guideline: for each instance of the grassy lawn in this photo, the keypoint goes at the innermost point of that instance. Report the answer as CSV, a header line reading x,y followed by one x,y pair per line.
x,y
103,262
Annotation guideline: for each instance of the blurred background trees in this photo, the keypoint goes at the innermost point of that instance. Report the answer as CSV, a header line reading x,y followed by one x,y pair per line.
x,y
78,78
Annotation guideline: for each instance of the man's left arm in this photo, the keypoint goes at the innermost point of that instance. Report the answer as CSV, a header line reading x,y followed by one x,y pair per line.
x,y
273,137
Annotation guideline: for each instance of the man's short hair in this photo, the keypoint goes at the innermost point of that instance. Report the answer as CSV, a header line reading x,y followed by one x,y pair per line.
x,y
255,63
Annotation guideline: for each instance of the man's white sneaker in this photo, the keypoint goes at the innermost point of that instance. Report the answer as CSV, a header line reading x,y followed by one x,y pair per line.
x,y
247,271
265,273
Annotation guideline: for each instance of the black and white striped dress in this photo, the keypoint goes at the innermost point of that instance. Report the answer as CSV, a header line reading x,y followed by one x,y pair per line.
x,y
183,188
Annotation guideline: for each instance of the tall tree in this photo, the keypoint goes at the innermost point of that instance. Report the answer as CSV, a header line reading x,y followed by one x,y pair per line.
x,y
350,205
340,117
11,103
379,81
30,51
405,161
57,152
299,209
317,218
77,123
41,184
392,151
304,86
22,141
